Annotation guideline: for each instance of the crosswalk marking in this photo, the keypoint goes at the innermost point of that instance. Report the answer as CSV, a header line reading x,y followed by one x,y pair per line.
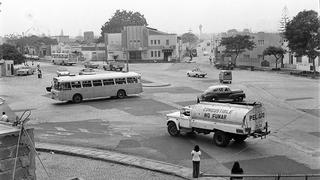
x,y
83,130
60,129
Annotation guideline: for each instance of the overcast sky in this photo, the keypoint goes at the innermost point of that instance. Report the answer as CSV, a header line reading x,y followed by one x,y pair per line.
x,y
174,16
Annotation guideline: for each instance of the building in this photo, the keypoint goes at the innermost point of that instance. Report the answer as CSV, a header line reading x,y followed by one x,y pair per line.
x,y
88,37
254,57
300,63
94,52
141,43
6,68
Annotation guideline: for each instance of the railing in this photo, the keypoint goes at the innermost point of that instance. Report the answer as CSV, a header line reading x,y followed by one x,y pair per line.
x,y
268,176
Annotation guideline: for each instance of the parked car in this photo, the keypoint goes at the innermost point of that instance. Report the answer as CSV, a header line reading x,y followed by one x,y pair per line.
x,y
25,70
113,66
196,72
224,65
62,71
219,92
87,71
91,65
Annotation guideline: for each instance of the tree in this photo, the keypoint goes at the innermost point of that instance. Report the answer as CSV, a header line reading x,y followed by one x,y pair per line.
x,y
189,38
284,19
277,52
237,44
303,35
120,19
10,52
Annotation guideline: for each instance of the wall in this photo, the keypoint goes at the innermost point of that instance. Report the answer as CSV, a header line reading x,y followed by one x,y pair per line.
x,y
25,168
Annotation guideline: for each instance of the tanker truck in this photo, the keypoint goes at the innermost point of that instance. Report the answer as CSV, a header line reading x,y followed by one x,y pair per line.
x,y
227,121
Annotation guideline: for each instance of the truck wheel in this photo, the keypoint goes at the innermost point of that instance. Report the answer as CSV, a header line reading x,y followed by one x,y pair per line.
x,y
172,129
221,139
121,94
197,75
77,98
239,138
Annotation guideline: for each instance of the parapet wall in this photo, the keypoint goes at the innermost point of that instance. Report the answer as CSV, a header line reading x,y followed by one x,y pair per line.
x,y
25,166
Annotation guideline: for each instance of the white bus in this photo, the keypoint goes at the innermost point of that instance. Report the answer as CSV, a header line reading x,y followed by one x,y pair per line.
x,y
79,87
64,58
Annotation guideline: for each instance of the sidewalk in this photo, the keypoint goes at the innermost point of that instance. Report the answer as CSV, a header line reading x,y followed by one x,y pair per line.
x,y
119,158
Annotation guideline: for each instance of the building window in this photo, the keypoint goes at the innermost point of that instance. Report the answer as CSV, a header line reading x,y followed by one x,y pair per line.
x,y
260,42
158,41
155,53
299,59
151,53
158,53
167,42
151,41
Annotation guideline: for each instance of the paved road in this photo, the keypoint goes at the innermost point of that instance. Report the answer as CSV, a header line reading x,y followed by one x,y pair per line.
x,y
136,125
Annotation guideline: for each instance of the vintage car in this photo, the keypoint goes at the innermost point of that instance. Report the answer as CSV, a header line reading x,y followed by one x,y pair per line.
x,y
196,72
221,92
114,66
87,71
25,70
63,72
91,65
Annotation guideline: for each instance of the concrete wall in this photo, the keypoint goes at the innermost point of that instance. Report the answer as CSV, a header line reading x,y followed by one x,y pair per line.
x,y
25,168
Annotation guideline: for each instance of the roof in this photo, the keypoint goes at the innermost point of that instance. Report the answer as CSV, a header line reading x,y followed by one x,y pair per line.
x,y
218,86
96,76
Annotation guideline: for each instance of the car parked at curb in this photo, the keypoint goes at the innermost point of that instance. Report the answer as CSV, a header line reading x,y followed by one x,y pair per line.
x,y
221,92
91,65
196,72
25,70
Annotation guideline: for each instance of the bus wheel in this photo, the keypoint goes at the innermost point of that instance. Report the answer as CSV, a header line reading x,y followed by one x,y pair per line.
x,y
121,94
239,138
77,98
172,129
221,138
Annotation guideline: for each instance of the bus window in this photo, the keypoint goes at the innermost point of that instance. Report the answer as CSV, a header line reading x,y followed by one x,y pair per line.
x,y
65,86
108,82
76,84
132,80
120,80
86,84
97,83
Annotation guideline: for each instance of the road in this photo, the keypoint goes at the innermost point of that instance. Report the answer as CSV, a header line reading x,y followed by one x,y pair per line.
x,y
137,124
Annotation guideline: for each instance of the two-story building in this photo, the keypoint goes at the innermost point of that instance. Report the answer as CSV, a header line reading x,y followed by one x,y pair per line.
x,y
141,43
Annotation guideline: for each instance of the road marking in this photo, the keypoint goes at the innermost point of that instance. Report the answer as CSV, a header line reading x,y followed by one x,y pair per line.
x,y
83,130
60,129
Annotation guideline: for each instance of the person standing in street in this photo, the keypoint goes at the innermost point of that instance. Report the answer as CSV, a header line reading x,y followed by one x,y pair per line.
x,y
210,59
236,169
196,153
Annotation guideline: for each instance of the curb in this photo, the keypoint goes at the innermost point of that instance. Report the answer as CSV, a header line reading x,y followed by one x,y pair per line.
x,y
114,157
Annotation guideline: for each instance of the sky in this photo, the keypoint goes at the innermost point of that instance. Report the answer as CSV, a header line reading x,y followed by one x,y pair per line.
x,y
173,16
